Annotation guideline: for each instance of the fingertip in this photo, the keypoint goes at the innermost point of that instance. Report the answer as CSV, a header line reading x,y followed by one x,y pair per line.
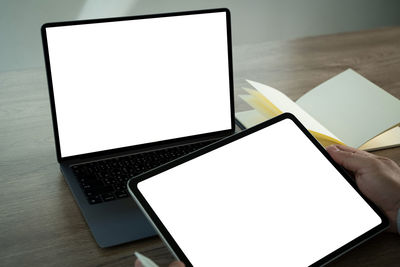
x,y
177,264
332,148
336,154
343,147
138,263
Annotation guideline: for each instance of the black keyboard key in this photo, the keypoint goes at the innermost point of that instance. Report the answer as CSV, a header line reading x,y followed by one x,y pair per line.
x,y
107,181
90,193
108,196
118,187
104,189
96,190
86,184
121,194
95,199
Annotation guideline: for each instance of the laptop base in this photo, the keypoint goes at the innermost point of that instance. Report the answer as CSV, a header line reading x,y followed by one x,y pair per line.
x,y
111,223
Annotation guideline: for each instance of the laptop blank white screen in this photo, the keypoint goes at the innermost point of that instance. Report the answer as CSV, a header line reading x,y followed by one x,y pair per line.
x,y
268,199
118,84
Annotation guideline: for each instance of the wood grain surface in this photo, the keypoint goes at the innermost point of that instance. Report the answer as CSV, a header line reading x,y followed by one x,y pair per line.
x,y
41,224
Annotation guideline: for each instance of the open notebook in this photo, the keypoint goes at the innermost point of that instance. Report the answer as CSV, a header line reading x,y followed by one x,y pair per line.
x,y
346,109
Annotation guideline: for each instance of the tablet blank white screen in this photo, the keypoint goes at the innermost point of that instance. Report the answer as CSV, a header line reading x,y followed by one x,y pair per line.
x,y
268,199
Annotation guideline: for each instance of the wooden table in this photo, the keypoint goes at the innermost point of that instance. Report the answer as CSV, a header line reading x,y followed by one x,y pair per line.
x,y
42,225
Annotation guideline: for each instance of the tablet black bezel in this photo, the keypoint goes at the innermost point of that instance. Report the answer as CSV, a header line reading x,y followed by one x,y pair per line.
x,y
146,208
146,146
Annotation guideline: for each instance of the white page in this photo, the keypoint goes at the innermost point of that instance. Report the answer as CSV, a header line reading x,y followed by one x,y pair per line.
x,y
285,104
352,108
257,200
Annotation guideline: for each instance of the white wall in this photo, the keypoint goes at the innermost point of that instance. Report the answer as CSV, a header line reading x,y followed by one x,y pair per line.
x,y
252,20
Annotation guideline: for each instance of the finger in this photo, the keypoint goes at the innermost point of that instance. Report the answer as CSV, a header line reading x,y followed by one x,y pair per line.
x,y
353,150
138,263
348,159
176,264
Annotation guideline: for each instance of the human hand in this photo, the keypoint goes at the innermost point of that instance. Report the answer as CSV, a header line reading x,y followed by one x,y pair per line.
x,y
378,178
172,264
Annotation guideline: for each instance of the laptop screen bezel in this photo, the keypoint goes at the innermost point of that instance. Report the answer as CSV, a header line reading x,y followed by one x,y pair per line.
x,y
146,146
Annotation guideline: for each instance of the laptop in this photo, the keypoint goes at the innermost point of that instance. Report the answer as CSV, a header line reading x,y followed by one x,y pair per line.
x,y
129,94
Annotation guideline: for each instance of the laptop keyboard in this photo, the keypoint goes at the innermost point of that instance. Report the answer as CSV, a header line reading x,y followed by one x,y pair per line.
x,y
106,180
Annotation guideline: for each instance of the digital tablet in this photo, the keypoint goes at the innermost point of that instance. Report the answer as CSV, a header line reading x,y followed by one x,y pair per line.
x,y
267,196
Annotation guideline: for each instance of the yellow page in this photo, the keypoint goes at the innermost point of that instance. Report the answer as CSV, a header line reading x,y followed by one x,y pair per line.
x,y
351,107
285,104
259,102
250,118
253,117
